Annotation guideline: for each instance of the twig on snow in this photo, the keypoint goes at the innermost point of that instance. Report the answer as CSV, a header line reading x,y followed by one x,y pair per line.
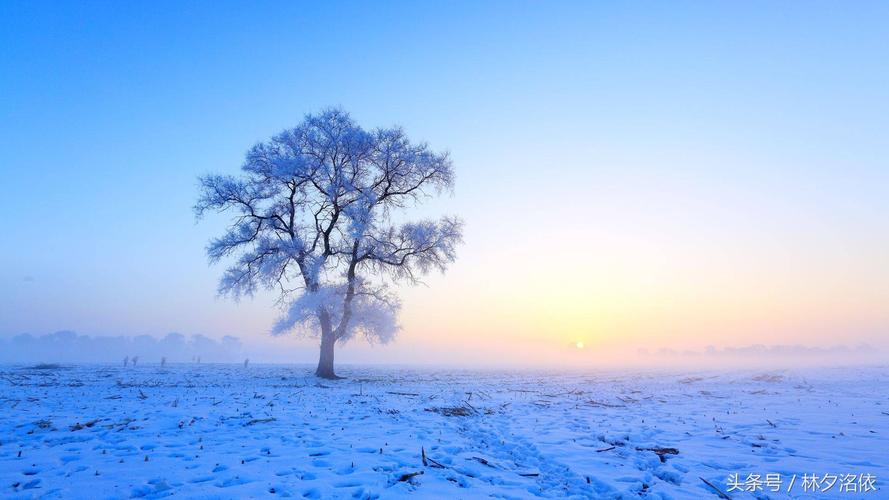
x,y
661,452
409,476
260,421
718,491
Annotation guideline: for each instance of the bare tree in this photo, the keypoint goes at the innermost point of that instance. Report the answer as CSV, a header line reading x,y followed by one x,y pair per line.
x,y
313,217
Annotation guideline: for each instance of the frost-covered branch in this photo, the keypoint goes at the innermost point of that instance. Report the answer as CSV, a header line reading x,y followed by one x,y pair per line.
x,y
415,247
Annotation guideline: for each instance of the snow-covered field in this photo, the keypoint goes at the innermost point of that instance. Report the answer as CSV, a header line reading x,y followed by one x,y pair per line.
x,y
224,431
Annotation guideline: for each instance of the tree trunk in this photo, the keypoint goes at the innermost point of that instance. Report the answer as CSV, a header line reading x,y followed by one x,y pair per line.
x,y
325,361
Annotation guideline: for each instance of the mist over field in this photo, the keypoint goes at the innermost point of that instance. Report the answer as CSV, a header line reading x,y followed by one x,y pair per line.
x,y
70,347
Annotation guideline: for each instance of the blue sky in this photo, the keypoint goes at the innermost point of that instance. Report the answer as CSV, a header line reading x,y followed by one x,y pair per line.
x,y
654,171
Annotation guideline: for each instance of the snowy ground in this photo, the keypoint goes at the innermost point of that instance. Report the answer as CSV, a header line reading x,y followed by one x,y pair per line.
x,y
204,431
